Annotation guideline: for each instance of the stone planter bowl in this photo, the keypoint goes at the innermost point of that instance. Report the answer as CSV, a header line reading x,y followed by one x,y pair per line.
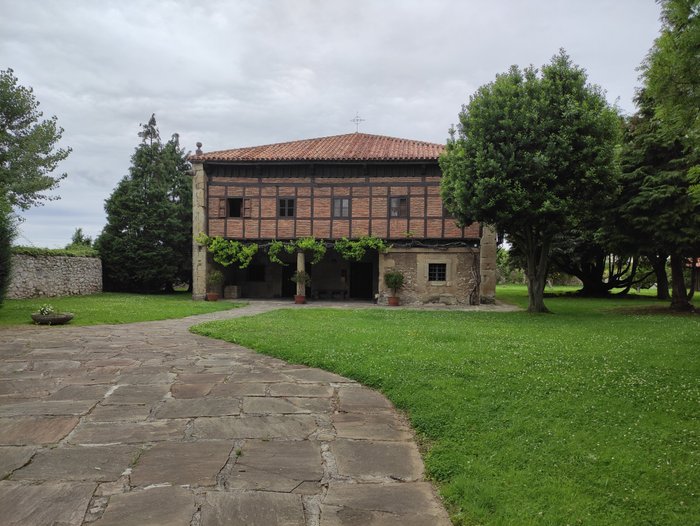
x,y
52,319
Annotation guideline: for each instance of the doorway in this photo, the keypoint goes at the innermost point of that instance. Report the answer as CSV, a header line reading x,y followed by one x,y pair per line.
x,y
289,288
361,280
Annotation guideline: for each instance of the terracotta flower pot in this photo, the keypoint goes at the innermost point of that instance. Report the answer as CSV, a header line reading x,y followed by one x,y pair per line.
x,y
393,301
299,300
212,296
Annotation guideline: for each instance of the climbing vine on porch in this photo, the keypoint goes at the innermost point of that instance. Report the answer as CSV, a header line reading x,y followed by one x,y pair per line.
x,y
355,249
227,252
316,249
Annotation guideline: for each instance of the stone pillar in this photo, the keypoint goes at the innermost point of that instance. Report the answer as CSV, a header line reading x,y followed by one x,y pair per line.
x,y
301,267
199,224
487,264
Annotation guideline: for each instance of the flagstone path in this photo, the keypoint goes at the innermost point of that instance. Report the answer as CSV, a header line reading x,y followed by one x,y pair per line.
x,y
148,424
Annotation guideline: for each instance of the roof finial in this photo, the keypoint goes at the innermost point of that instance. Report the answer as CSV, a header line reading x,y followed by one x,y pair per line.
x,y
357,120
199,149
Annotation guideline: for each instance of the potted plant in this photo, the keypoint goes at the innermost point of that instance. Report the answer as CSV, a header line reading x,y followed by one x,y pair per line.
x,y
214,281
47,315
302,279
393,279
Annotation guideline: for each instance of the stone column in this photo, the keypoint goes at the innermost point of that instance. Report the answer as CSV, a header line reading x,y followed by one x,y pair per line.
x,y
301,267
487,265
199,224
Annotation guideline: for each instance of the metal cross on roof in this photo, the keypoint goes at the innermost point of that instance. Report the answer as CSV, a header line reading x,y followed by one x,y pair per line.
x,y
357,120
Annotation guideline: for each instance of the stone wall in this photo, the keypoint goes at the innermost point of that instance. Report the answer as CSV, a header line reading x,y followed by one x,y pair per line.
x,y
462,275
36,276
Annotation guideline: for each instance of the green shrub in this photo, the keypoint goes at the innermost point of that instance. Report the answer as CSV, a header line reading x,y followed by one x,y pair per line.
x,y
393,279
74,251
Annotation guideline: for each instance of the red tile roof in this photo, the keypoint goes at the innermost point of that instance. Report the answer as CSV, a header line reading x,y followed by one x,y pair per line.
x,y
348,147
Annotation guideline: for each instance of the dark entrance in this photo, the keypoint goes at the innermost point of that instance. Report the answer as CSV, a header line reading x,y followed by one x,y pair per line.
x,y
289,288
361,280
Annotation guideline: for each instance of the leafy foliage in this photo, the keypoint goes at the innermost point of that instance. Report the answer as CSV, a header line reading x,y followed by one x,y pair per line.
x,y
7,234
79,239
393,279
354,250
28,146
301,276
70,251
146,244
534,153
310,245
228,252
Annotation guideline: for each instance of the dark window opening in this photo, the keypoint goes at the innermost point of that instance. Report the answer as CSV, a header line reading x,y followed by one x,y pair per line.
x,y
398,207
341,207
238,207
286,208
437,271
256,273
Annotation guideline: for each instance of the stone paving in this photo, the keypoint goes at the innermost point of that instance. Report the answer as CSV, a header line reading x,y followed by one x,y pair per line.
x,y
148,424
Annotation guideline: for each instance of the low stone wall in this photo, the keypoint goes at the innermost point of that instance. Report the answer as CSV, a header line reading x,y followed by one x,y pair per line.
x,y
36,276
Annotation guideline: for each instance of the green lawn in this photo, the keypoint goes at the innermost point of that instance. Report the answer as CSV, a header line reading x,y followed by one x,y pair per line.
x,y
587,416
112,307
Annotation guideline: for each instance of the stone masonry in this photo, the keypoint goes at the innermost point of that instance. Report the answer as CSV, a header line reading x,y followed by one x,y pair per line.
x,y
36,276
148,424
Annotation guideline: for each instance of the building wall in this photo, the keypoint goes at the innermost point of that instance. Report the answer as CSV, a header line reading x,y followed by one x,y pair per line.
x,y
37,276
314,187
462,278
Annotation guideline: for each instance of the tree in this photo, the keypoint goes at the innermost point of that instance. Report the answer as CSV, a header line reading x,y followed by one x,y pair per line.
x,y
28,146
533,153
79,239
146,244
7,233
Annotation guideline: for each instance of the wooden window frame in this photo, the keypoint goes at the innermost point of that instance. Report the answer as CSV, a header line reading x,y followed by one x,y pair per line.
x,y
244,207
283,211
437,270
347,210
405,209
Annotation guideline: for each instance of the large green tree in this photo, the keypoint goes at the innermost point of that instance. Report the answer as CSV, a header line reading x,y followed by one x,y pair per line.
x,y
533,153
28,146
146,244
7,233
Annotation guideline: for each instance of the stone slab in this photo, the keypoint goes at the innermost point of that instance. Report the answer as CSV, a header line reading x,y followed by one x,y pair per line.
x,y
410,504
128,432
35,430
191,407
238,389
119,413
276,465
364,460
99,464
49,408
371,426
267,405
316,375
164,506
201,378
49,504
190,390
301,389
137,394
80,392
252,509
12,458
192,463
361,399
289,427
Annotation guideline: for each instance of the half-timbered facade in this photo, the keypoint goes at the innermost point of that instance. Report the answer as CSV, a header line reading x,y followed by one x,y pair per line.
x,y
349,186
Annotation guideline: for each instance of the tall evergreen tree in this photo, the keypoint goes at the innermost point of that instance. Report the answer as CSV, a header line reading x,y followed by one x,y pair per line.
x,y
7,233
146,243
534,152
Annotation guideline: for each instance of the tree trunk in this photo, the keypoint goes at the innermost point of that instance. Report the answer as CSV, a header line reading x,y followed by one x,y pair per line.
x,y
537,259
679,300
658,263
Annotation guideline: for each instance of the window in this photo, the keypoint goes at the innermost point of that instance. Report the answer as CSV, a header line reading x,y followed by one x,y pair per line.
x,y
256,273
341,207
398,207
286,207
238,207
437,271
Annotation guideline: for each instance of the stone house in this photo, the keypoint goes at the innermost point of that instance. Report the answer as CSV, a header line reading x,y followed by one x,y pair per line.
x,y
350,186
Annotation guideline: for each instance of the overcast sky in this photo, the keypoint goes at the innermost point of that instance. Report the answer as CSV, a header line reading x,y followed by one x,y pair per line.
x,y
242,73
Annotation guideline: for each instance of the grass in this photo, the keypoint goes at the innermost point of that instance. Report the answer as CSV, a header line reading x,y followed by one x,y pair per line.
x,y
586,416
112,308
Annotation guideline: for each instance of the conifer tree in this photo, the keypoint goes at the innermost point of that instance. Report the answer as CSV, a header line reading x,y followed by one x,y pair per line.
x,y
146,243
